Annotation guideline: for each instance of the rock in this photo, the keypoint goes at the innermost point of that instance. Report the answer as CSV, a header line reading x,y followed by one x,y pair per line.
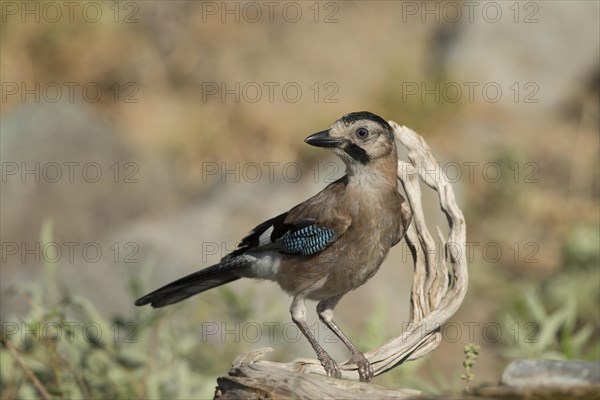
x,y
550,373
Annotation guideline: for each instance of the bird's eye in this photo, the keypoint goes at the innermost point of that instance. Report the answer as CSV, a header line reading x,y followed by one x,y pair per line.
x,y
362,133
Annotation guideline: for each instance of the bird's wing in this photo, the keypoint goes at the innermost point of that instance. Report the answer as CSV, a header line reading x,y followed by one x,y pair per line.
x,y
306,229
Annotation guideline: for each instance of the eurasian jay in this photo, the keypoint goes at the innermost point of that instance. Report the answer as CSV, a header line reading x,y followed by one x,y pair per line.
x,y
326,246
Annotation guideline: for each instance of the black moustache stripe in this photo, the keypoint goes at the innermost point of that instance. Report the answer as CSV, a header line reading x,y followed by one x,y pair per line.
x,y
358,153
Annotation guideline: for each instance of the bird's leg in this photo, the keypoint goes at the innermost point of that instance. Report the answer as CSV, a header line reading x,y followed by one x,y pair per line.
x,y
325,311
298,311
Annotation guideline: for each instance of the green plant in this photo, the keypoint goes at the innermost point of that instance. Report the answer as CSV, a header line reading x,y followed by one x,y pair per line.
x,y
62,347
556,318
471,351
540,333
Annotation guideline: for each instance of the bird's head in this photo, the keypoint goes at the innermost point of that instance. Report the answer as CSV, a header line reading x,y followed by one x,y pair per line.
x,y
360,139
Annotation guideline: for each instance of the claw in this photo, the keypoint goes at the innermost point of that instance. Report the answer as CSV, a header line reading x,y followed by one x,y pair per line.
x,y
365,369
330,366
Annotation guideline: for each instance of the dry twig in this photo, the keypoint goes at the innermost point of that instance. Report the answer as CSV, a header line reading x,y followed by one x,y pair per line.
x,y
28,372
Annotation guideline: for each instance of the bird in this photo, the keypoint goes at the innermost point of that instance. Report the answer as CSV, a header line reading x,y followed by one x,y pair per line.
x,y
326,246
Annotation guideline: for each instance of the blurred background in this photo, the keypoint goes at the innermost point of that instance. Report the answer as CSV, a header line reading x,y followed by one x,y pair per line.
x,y
141,140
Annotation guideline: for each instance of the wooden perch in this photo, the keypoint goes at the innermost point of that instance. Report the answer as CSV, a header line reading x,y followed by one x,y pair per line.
x,y
439,287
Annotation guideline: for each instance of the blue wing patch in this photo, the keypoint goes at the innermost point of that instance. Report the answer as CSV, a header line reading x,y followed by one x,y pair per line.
x,y
306,241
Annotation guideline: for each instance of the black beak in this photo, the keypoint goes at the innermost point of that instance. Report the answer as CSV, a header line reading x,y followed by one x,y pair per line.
x,y
322,139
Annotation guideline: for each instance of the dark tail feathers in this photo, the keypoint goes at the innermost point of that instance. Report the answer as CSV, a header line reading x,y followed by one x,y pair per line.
x,y
192,284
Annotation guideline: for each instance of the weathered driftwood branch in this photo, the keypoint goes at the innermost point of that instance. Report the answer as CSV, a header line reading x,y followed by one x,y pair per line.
x,y
439,286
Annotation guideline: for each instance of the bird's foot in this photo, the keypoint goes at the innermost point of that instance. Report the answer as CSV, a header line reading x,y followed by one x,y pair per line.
x,y
331,367
365,369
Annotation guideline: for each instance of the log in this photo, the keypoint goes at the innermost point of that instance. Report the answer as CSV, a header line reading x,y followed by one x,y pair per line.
x,y
253,379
